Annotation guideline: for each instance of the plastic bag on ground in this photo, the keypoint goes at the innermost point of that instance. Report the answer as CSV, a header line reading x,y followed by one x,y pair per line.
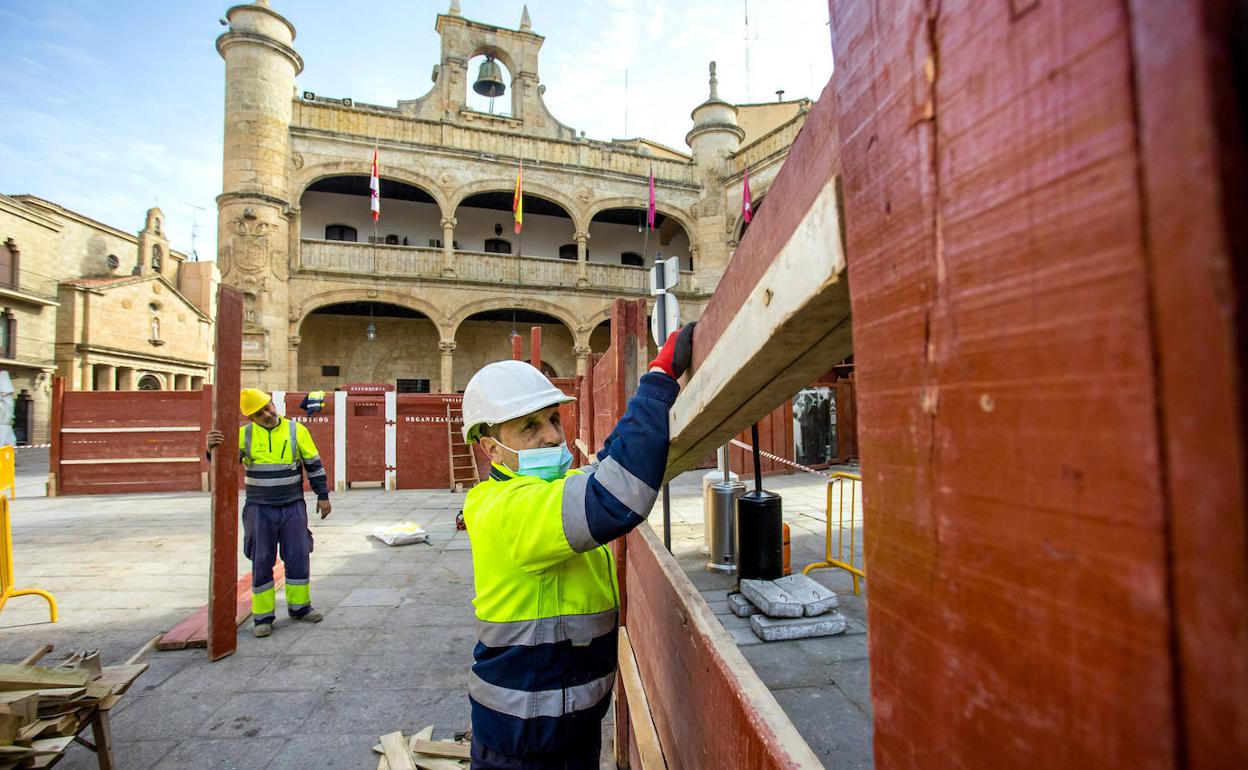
x,y
403,533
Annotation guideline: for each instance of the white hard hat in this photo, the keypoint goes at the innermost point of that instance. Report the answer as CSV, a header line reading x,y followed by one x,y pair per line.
x,y
505,390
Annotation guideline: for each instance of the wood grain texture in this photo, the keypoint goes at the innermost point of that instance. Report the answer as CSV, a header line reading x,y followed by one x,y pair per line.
x,y
641,722
222,597
1194,169
780,317
1017,541
710,709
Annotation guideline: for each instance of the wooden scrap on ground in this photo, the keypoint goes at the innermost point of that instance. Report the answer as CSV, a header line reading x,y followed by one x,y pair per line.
x,y
43,709
422,752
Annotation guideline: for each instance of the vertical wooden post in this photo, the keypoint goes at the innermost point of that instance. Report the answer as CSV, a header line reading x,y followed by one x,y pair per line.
x,y
222,594
517,352
205,425
535,347
54,437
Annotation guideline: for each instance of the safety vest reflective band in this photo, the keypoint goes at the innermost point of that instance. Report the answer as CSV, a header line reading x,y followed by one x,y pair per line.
x,y
274,461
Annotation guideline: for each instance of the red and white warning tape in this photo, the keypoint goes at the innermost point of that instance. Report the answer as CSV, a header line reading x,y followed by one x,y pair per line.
x,y
32,446
778,459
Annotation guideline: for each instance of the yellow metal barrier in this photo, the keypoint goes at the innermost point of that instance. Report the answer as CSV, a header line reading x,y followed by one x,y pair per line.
x,y
8,476
6,564
850,483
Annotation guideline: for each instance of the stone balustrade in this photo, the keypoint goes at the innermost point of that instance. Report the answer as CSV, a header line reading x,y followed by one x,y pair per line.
x,y
350,258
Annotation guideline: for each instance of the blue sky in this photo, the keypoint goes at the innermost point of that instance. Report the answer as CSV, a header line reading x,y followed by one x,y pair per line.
x,y
115,106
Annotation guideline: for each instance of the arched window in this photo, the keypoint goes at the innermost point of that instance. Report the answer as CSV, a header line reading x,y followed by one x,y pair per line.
x,y
156,254
149,382
632,258
568,251
497,246
340,233
392,240
113,262
548,370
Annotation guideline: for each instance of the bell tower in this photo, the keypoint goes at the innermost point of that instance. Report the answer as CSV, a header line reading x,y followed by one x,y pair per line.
x,y
254,212
515,49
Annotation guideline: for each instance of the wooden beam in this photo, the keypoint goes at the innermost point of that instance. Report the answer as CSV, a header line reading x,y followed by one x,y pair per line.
x,y
642,723
222,598
787,331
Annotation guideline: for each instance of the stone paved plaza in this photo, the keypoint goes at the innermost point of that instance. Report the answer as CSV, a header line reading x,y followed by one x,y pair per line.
x,y
394,648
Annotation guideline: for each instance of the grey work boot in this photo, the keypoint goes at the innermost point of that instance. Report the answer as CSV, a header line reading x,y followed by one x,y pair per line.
x,y
261,630
311,616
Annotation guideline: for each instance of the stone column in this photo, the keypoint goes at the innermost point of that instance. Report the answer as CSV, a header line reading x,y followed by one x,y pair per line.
x,y
107,377
448,246
582,257
181,382
86,374
127,379
582,359
448,366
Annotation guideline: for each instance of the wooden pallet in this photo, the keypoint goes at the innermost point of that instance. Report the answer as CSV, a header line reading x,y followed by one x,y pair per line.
x,y
193,632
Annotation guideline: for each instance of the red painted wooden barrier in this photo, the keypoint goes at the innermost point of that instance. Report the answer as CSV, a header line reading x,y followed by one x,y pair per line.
x,y
100,438
223,572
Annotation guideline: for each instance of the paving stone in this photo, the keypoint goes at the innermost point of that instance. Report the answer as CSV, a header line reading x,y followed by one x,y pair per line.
x,y
373,597
234,673
256,714
836,730
295,673
815,598
328,752
774,629
741,606
222,754
382,711
166,715
773,600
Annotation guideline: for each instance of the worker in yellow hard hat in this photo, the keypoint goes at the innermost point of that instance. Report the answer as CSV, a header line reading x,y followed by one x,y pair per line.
x,y
277,452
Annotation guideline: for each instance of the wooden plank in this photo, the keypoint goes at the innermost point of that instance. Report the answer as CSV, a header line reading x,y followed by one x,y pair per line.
x,y
222,596
442,748
56,420
649,751
142,651
786,331
193,630
34,657
1193,152
17,677
398,756
1016,525
696,679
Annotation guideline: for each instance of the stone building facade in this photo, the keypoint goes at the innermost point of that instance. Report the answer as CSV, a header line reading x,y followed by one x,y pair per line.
x,y
106,309
436,287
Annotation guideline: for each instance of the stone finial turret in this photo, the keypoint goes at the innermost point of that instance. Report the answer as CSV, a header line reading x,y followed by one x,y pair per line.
x,y
455,10
715,131
526,23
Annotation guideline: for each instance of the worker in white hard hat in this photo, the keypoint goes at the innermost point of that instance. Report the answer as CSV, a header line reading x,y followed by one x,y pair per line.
x,y
547,600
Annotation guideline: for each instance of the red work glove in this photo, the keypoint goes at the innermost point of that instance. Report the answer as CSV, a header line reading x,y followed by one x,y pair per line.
x,y
677,352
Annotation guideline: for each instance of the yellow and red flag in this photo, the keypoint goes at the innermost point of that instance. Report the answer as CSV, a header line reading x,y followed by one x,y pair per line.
x,y
517,200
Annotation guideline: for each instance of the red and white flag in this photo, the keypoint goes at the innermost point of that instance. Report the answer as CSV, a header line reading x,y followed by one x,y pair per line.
x,y
374,190
747,207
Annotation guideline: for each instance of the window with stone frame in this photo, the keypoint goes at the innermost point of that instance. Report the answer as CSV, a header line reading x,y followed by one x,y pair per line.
x,y
8,334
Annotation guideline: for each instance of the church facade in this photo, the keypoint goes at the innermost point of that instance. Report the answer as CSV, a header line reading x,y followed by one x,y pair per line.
x,y
433,289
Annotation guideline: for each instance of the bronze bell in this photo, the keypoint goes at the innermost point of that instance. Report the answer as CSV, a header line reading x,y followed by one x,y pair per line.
x,y
489,79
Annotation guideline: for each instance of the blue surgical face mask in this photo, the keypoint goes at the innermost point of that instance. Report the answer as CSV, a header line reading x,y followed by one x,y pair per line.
x,y
547,463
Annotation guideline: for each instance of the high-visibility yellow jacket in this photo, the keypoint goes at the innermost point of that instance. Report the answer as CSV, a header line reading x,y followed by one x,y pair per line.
x,y
547,600
273,460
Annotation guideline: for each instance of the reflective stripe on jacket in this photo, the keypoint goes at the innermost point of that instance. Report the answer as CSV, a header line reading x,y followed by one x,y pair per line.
x,y
273,460
547,600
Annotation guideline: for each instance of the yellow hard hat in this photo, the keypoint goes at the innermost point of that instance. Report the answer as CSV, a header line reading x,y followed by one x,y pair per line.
x,y
252,400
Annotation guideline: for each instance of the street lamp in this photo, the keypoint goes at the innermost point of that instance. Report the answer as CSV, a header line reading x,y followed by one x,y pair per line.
x,y
371,331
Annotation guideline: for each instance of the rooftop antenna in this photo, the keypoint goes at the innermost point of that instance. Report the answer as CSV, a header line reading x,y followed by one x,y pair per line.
x,y
747,51
194,227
